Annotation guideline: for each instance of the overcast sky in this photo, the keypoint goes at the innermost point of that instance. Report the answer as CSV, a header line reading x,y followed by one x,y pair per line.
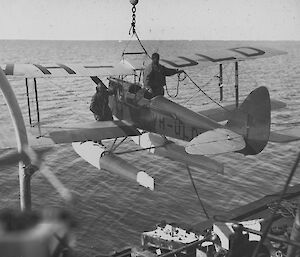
x,y
156,19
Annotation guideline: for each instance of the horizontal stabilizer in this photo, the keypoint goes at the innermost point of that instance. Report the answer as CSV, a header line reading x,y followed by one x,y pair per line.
x,y
160,146
285,135
220,114
216,141
91,131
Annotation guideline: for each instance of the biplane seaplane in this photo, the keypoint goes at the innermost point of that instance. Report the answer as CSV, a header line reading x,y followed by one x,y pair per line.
x,y
153,122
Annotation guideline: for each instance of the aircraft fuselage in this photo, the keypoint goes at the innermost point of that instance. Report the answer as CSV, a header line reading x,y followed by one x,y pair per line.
x,y
158,115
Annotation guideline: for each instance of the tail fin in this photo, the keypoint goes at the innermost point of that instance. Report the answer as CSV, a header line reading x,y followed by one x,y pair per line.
x,y
252,120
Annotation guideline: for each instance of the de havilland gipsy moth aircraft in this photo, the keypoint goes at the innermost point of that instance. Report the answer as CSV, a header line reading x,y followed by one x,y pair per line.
x,y
152,123
156,124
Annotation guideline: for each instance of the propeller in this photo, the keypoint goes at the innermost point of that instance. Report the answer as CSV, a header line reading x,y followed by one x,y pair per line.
x,y
11,157
36,158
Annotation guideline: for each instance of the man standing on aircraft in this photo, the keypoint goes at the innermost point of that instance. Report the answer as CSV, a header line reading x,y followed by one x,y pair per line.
x,y
99,104
155,76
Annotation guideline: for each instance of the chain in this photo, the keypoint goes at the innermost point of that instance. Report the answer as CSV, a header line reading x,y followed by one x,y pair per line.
x,y
133,9
132,30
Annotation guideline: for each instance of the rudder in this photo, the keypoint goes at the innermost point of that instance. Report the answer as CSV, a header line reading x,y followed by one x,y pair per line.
x,y
252,120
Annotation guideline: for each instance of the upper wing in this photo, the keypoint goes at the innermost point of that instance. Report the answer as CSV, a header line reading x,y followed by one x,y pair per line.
x,y
69,70
206,58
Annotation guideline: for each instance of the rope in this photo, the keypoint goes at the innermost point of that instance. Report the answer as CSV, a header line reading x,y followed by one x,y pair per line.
x,y
177,88
266,231
196,191
87,230
177,91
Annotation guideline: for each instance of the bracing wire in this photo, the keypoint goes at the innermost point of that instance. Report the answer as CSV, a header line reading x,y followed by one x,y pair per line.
x,y
196,191
200,89
205,84
139,149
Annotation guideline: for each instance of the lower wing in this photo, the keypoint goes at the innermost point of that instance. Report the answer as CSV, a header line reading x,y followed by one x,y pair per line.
x,y
89,132
50,135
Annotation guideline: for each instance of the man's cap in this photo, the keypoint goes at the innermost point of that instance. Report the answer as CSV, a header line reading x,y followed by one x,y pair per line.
x,y
155,55
100,87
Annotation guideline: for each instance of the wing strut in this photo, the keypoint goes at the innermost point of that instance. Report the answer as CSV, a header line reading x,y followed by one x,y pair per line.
x,y
28,101
236,84
31,120
36,101
221,81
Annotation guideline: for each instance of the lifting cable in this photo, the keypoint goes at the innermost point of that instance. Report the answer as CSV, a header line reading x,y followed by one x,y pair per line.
x,y
196,191
132,30
126,46
136,35
277,206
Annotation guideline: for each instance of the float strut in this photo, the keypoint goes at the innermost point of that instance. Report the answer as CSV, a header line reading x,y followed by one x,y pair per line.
x,y
37,106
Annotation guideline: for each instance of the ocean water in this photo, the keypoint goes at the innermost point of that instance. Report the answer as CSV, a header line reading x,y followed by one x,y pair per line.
x,y
112,212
